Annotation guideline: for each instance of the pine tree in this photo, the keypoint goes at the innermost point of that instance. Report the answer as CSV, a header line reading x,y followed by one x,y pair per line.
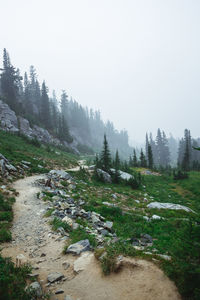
x,y
117,167
146,146
186,162
105,156
135,161
45,107
10,82
159,147
143,162
165,151
150,157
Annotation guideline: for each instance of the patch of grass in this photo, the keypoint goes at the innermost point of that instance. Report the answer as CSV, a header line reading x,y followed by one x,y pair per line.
x,y
13,280
56,223
5,234
49,212
80,234
6,216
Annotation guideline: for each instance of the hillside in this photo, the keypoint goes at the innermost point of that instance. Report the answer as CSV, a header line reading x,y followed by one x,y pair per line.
x,y
32,111
125,228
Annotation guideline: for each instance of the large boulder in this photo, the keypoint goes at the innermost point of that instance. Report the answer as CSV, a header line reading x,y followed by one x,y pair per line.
x,y
123,175
160,205
106,177
60,174
79,247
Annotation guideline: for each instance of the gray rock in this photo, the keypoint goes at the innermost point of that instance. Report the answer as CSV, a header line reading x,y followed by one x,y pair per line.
x,y
104,232
61,174
55,276
95,218
24,162
109,204
59,292
108,225
79,247
146,239
36,287
105,175
123,175
3,166
164,256
10,168
160,205
114,196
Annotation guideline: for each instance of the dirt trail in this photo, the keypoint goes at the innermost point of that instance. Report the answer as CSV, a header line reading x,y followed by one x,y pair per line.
x,y
32,236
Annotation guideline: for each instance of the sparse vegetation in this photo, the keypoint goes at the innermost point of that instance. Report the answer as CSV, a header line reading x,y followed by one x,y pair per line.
x,y
56,223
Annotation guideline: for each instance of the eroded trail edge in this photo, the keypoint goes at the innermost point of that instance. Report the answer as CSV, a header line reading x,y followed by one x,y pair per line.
x,y
34,239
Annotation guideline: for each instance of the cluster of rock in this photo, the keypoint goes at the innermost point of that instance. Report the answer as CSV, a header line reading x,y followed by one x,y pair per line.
x,y
69,210
11,123
7,170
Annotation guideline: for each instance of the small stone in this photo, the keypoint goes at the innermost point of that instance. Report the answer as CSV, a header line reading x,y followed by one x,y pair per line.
x,y
56,276
59,292
66,265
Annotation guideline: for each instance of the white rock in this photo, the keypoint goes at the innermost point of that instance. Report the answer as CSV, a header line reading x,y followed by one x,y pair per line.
x,y
160,205
155,217
68,220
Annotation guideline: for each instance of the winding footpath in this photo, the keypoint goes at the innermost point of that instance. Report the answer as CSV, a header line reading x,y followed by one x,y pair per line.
x,y
42,248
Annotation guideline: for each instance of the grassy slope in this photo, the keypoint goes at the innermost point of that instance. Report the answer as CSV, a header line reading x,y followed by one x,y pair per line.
x,y
16,149
177,235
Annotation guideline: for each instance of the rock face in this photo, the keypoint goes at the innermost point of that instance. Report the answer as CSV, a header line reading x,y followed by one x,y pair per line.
x,y
160,205
79,247
11,123
8,118
105,175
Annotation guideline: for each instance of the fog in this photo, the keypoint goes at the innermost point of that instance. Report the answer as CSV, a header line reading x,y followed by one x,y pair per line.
x,y
136,61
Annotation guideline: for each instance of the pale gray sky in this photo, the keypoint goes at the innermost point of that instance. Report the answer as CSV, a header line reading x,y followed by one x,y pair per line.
x,y
135,60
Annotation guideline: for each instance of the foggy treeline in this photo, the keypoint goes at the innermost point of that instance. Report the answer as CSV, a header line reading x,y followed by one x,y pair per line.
x,y
63,118
163,152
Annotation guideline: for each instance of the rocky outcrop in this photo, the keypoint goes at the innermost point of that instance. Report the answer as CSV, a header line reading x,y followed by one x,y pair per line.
x,y
8,118
11,123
